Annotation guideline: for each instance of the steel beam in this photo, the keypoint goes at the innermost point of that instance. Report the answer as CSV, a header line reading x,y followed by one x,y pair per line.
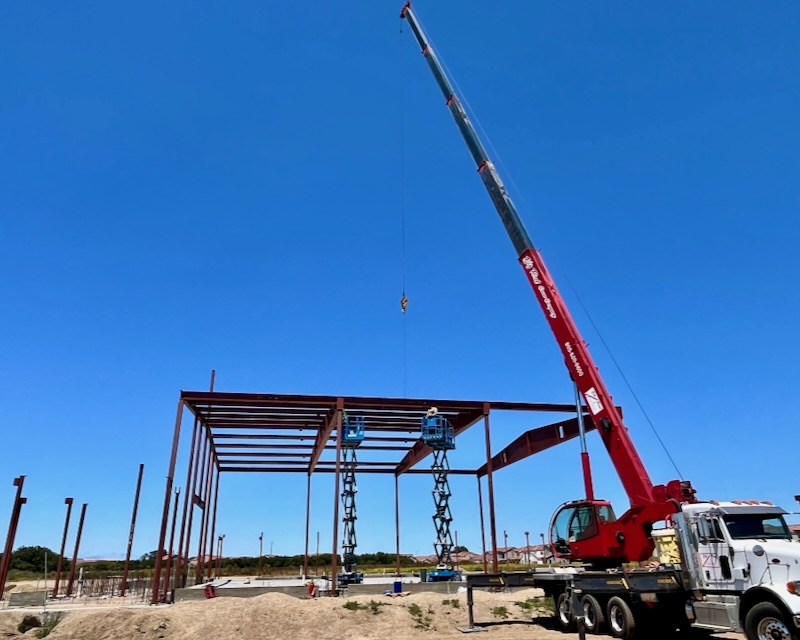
x,y
535,441
68,502
74,564
124,583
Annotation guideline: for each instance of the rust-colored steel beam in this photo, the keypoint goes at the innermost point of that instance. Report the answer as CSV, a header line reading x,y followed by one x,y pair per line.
x,y
179,564
387,470
16,510
324,435
483,528
202,400
74,563
397,524
308,525
334,577
536,440
204,521
213,516
263,436
59,566
192,495
156,587
283,436
124,583
198,497
168,568
490,483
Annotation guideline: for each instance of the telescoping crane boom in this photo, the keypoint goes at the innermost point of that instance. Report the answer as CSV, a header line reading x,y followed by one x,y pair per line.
x,y
586,529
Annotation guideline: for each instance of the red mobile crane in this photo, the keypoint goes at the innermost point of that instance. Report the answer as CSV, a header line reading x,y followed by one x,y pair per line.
x,y
585,529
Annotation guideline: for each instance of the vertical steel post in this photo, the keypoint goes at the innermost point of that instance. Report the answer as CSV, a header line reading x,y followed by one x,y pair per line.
x,y
168,569
308,524
124,584
397,523
334,577
490,483
213,514
165,512
12,533
68,502
200,496
205,489
192,501
179,565
75,552
483,528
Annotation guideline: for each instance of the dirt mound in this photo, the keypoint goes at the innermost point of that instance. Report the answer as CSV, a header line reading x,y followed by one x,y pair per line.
x,y
277,616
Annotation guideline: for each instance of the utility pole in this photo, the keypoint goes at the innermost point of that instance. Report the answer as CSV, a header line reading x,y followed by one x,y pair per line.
x,y
505,545
528,548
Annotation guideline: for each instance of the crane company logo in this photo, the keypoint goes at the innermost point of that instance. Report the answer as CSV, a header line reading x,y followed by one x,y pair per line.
x,y
574,358
533,274
593,400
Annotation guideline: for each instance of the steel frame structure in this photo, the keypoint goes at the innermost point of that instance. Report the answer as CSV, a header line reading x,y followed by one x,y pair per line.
x,y
268,433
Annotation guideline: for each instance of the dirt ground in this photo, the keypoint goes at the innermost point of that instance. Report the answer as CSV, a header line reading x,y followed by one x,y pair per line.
x,y
277,616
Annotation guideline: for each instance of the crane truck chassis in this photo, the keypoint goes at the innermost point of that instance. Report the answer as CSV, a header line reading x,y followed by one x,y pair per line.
x,y
732,566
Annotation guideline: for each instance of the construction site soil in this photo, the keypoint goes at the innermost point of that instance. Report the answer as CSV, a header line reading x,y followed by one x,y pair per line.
x,y
276,616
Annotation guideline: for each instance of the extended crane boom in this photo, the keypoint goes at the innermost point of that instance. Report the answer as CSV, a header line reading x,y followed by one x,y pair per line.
x,y
598,542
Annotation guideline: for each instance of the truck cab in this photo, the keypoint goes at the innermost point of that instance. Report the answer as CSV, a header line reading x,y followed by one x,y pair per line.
x,y
742,566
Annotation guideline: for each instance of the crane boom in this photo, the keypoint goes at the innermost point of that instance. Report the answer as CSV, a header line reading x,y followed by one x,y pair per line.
x,y
632,473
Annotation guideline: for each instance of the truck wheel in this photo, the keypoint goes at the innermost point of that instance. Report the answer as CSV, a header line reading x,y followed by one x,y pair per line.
x,y
592,614
565,618
621,622
765,622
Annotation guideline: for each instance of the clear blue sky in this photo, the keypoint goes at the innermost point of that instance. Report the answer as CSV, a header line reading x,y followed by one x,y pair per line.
x,y
218,185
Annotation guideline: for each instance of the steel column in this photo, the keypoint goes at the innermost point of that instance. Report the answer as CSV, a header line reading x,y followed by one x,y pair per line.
x,y
334,577
75,552
308,524
483,528
165,512
205,487
205,476
167,572
12,532
213,513
186,495
124,584
192,502
490,483
68,502
397,524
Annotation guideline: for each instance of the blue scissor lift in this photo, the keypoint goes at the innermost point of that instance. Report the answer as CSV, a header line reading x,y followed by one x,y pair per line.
x,y
352,437
438,434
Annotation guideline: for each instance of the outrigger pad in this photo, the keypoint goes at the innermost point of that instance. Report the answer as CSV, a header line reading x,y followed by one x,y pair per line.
x,y
471,629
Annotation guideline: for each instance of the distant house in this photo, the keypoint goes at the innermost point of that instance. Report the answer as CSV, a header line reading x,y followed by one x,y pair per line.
x,y
535,553
795,529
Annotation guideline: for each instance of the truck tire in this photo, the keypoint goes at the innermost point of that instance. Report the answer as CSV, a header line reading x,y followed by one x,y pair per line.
x,y
593,615
621,622
566,621
766,622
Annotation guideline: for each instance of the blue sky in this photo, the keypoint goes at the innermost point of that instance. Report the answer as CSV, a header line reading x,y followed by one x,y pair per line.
x,y
220,185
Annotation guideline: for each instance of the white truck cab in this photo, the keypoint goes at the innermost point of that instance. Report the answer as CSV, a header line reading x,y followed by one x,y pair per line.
x,y
742,566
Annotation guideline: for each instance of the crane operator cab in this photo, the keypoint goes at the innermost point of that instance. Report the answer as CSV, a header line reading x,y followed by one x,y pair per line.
x,y
577,521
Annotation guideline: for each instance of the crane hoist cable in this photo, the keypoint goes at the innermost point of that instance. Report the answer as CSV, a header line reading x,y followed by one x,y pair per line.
x,y
403,297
